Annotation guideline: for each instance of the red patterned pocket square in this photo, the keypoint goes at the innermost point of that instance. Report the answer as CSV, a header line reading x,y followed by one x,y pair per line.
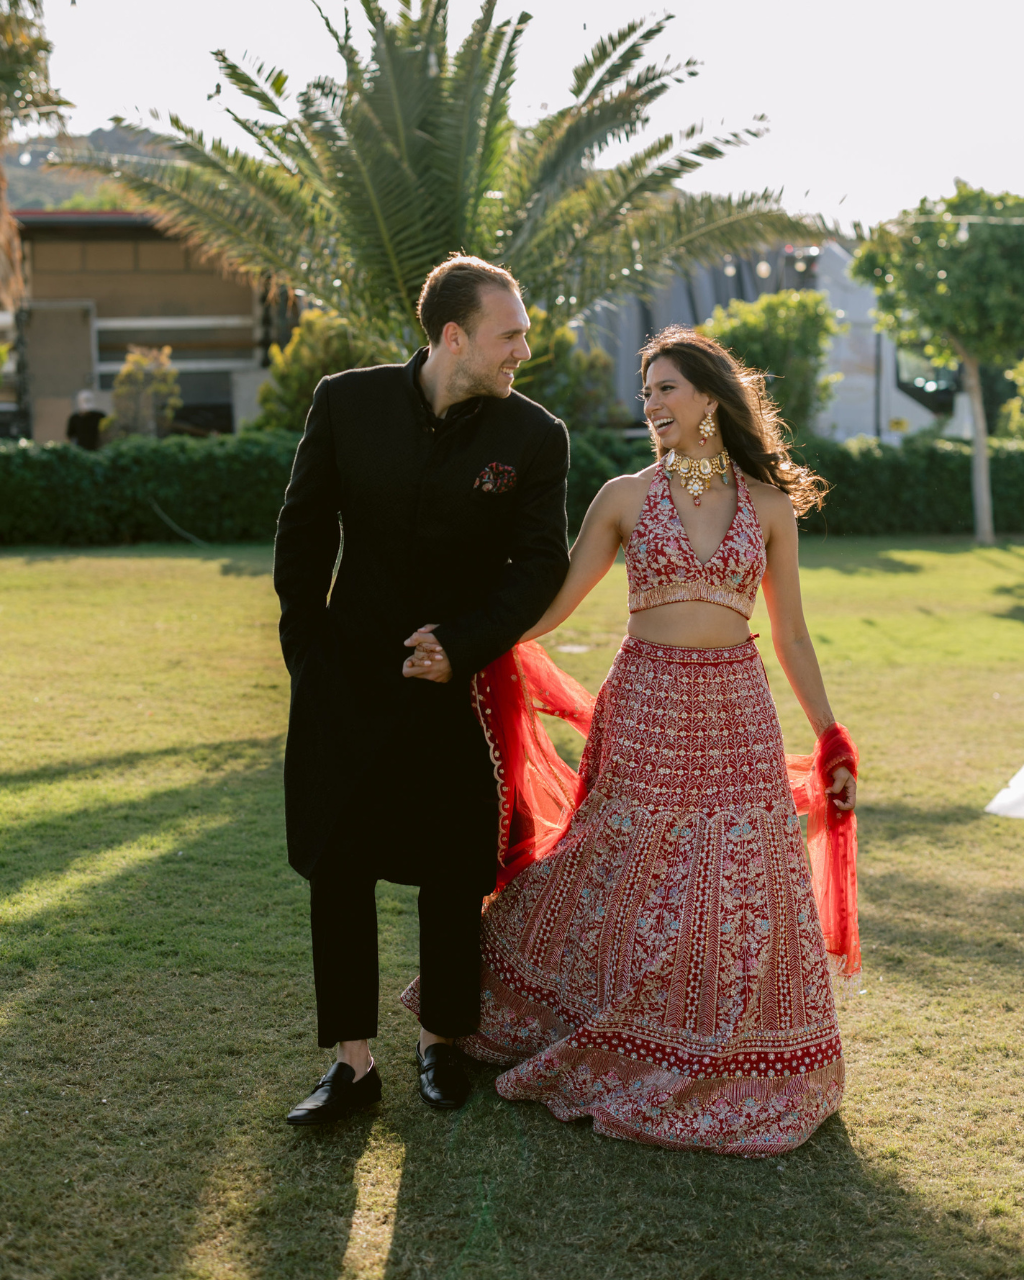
x,y
496,477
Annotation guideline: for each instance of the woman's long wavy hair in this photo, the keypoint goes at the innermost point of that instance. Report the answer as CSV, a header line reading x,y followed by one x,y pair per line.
x,y
752,428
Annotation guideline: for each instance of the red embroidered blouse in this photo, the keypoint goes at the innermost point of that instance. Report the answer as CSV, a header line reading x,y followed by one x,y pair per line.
x,y
663,568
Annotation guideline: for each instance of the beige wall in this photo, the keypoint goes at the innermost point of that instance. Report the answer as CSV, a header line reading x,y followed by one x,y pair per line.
x,y
111,278
132,278
58,352
50,418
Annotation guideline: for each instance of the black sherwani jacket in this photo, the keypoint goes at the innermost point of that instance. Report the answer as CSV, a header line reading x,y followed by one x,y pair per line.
x,y
379,768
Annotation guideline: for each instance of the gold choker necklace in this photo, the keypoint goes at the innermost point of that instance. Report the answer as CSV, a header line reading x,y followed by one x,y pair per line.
x,y
696,474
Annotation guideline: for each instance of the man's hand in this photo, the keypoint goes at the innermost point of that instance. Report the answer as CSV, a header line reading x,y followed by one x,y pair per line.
x,y
428,661
844,788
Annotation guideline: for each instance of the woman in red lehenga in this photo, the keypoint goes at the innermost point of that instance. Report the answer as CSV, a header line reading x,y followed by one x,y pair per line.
x,y
662,965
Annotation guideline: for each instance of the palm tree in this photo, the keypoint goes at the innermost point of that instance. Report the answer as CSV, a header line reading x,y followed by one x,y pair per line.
x,y
25,98
371,179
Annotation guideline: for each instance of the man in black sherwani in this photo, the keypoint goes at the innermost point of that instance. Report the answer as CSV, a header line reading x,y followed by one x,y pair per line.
x,y
446,490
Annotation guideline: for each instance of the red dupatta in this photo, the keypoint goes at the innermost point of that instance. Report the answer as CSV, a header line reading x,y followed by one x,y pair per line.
x,y
831,843
539,792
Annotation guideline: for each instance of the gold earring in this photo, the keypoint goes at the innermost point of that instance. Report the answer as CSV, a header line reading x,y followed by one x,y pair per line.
x,y
706,428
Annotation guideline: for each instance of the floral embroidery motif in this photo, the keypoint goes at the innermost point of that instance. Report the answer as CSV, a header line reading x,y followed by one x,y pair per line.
x,y
663,970
663,568
496,477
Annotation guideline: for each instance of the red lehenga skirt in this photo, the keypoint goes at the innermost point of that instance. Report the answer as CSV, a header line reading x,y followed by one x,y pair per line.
x,y
663,970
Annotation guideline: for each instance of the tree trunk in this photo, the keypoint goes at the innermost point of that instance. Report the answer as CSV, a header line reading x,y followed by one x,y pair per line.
x,y
981,485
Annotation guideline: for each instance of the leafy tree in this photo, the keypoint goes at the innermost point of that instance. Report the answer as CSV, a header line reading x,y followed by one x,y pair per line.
x,y
371,179
146,395
108,195
787,336
323,342
26,97
1011,413
950,275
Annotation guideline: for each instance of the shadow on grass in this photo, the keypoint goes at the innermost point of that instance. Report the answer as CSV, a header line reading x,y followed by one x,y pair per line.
x,y
507,1192
213,755
852,555
242,559
929,928
887,821
1015,613
162,1024
45,845
155,1028
259,565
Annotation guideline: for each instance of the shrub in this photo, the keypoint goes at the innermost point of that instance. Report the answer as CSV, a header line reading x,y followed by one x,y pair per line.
x,y
322,343
598,455
790,331
221,489
146,395
574,383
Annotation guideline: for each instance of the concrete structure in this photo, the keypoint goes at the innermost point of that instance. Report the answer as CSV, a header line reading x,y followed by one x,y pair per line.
x,y
870,399
877,394
97,282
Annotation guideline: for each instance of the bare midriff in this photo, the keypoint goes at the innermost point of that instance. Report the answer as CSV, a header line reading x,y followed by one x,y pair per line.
x,y
690,624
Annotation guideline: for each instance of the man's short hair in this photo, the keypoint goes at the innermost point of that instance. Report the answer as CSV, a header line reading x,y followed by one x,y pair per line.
x,y
452,293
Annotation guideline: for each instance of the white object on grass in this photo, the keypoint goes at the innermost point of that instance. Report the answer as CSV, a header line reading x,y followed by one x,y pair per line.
x,y
1009,803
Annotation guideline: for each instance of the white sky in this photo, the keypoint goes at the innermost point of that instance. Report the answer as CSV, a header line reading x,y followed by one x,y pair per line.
x,y
880,102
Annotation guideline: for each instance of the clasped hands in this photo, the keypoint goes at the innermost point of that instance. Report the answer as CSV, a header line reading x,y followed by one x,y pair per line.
x,y
428,660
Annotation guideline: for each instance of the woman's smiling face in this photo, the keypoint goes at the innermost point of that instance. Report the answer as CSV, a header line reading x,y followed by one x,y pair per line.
x,y
674,407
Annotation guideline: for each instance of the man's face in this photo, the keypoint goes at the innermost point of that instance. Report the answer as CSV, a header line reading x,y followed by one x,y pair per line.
x,y
496,347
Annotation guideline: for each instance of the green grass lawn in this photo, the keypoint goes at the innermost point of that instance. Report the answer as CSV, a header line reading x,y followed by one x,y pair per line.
x,y
157,1012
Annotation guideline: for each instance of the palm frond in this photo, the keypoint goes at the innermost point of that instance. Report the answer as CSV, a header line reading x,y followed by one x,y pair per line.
x,y
463,104
497,131
274,79
605,49
366,179
625,59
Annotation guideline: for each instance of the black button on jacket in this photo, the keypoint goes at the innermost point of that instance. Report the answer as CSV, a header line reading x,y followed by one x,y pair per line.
x,y
462,524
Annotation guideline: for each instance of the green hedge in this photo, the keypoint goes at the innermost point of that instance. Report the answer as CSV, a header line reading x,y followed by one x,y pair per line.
x,y
598,455
229,488
222,489
923,486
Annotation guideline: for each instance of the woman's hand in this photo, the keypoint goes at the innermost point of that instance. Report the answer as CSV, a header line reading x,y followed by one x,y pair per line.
x,y
428,661
843,789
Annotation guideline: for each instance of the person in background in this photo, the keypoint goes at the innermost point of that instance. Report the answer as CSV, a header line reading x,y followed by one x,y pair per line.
x,y
84,423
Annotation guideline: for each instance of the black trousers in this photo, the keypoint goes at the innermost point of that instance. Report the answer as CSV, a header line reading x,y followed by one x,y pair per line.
x,y
343,916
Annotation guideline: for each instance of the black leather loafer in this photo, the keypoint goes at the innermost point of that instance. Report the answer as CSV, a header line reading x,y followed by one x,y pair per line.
x,y
336,1095
443,1080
